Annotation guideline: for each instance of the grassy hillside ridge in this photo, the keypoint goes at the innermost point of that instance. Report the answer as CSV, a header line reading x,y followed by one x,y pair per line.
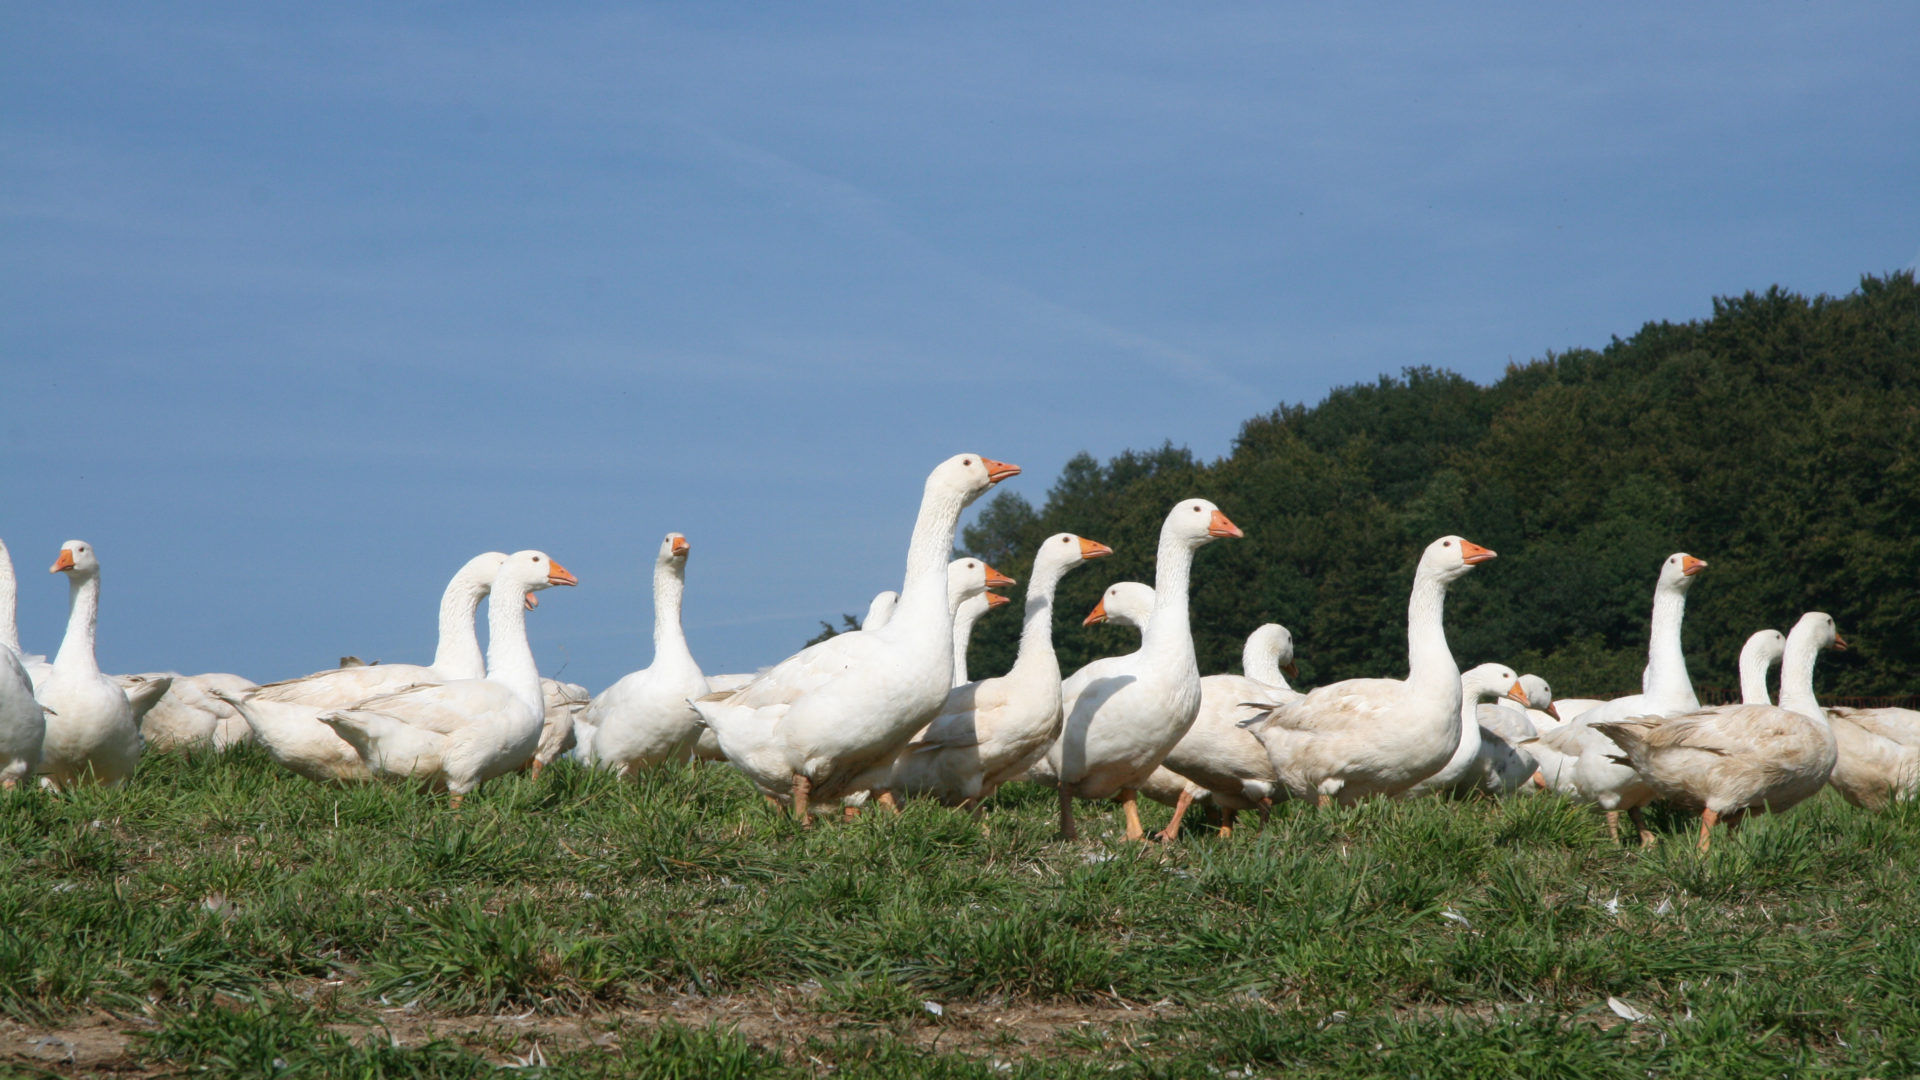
x,y
1778,439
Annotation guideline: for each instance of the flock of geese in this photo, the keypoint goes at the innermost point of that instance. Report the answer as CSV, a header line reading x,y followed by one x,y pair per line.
x,y
887,712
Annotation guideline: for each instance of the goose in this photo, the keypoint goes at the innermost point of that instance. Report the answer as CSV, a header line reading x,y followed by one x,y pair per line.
x,y
284,717
1124,713
562,703
818,723
1762,650
1597,774
965,614
1223,762
23,723
1505,762
645,718
1554,770
1348,740
463,733
1736,760
989,732
189,716
1878,749
1474,757
457,656
35,666
92,727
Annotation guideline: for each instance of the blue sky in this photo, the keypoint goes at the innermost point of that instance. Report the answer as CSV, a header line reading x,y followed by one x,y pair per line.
x,y
302,306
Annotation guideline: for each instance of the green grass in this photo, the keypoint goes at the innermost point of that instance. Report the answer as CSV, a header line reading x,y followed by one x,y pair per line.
x,y
253,917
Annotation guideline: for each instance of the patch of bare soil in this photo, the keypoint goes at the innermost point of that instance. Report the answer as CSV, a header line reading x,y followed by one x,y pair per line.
x,y
785,1021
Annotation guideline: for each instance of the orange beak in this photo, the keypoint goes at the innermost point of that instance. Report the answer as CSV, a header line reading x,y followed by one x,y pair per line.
x,y
681,547
1839,643
1291,670
998,580
64,562
1093,549
1473,554
560,575
1553,710
1690,566
1518,693
1220,526
1097,615
995,600
532,601
999,470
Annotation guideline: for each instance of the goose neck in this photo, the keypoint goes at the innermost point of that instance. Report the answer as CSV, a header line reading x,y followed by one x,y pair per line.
x,y
1753,677
1167,628
1036,627
669,589
509,656
9,603
457,655
964,616
924,594
83,614
1665,680
1428,656
1796,677
1260,661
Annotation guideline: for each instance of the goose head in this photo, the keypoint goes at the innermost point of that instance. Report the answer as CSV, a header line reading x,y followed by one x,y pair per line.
x,y
1539,694
1125,603
969,475
1196,522
1272,639
1451,556
1817,629
673,550
527,572
1677,573
1764,647
1492,680
475,579
1064,551
76,560
968,578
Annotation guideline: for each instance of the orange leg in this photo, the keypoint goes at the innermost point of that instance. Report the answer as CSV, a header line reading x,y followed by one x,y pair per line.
x,y
455,801
1266,808
849,813
801,786
1707,819
775,803
533,770
887,800
1130,805
1640,823
1613,825
1539,780
1067,831
1172,831
1324,801
1226,822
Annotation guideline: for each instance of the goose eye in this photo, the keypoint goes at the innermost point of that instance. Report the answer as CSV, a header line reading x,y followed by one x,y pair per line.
x,y
1446,543
966,461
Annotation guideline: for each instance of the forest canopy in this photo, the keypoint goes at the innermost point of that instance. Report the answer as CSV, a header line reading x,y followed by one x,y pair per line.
x,y
1779,440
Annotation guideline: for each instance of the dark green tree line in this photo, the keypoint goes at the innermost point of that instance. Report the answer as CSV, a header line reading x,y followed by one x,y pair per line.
x,y
1778,439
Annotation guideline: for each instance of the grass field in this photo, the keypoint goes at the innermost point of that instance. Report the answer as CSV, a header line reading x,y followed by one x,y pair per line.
x,y
220,917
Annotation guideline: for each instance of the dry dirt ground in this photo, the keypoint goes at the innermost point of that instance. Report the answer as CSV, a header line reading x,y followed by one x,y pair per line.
x,y
105,1044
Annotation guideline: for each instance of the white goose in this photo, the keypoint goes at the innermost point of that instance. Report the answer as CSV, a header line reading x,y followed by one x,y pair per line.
x,y
1479,752
880,610
1879,752
284,717
1123,713
456,656
1598,775
1362,737
466,732
1218,761
818,723
645,719
1736,760
23,723
189,716
989,732
92,729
